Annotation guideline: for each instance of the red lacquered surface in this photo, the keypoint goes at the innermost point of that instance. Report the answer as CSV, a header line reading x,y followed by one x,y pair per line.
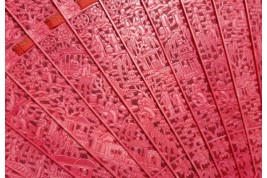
x,y
237,41
68,109
142,88
27,160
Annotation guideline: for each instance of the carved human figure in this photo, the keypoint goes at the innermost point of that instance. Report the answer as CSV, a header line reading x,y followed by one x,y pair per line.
x,y
195,17
164,22
246,81
21,118
166,99
123,64
97,42
110,109
112,38
41,125
177,100
132,44
175,14
221,87
47,76
85,70
186,67
211,40
122,112
231,17
144,106
87,77
234,52
197,95
137,22
186,35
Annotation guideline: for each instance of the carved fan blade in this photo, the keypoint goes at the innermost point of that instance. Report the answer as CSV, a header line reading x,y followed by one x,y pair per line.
x,y
133,88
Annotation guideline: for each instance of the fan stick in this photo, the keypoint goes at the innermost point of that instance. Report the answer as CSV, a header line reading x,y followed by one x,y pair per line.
x,y
245,69
219,71
63,74
59,113
253,10
19,137
136,90
120,25
178,31
150,153
36,123
54,119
